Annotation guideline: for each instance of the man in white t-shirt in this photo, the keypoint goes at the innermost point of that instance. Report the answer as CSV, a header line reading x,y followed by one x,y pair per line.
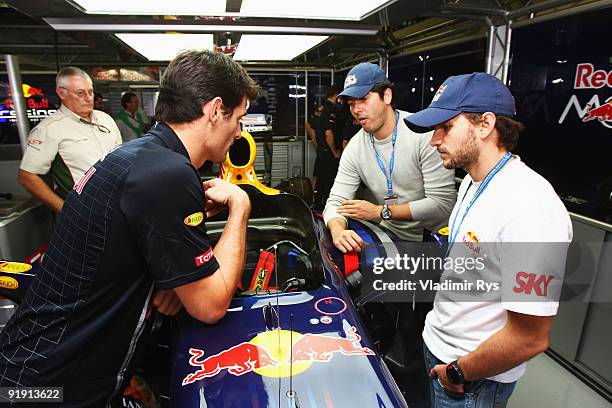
x,y
508,218
67,143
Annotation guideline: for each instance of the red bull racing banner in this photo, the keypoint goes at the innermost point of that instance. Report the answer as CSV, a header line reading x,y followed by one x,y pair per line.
x,y
594,102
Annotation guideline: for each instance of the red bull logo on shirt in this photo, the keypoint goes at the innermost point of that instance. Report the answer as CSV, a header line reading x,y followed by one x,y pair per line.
x,y
275,353
470,239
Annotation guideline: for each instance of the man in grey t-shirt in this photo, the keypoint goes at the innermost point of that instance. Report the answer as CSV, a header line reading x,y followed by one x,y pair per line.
x,y
412,189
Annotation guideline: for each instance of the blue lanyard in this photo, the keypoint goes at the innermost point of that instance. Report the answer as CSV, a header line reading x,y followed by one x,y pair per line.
x,y
381,164
454,231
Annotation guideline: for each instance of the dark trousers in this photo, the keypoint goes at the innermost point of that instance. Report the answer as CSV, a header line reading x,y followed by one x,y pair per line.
x,y
326,168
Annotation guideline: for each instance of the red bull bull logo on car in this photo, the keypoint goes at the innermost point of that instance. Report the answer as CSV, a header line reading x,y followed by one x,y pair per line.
x,y
275,353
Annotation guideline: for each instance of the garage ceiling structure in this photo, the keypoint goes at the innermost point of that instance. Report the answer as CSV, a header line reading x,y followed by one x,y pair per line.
x,y
49,34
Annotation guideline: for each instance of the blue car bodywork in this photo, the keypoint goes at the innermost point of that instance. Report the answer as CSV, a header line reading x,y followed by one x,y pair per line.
x,y
301,346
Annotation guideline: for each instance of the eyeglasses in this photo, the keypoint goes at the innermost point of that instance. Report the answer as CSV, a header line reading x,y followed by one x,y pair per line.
x,y
81,93
100,127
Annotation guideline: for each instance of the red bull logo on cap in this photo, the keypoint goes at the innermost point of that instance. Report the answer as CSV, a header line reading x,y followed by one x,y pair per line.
x,y
276,353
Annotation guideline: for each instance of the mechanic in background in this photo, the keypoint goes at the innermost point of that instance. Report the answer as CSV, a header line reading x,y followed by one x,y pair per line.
x,y
132,237
311,130
326,163
68,142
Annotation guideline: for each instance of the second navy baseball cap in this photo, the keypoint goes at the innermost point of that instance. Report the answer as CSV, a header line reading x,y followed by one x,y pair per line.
x,y
361,79
477,92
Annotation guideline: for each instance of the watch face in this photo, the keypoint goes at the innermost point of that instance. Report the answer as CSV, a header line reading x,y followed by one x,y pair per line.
x,y
385,214
453,373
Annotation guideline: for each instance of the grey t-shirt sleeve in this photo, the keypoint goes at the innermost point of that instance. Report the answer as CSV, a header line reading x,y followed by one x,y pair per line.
x,y
439,185
345,185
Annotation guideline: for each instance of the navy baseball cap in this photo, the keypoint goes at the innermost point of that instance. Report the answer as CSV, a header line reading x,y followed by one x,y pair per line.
x,y
361,79
477,92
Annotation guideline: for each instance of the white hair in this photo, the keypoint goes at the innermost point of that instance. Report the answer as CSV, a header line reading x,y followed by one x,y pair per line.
x,y
61,80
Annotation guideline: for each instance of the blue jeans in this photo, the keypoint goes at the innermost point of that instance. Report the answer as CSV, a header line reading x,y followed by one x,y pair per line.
x,y
478,394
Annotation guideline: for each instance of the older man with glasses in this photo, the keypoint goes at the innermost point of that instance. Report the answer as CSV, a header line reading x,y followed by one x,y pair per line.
x,y
67,143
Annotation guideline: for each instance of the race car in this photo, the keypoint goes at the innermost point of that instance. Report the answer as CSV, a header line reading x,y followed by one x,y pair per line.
x,y
292,336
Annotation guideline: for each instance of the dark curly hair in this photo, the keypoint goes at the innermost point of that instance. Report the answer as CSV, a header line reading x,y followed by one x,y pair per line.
x,y
195,77
509,129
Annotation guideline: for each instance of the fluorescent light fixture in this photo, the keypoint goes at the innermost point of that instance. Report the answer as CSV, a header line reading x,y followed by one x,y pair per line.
x,y
312,9
154,7
164,47
557,81
124,24
254,47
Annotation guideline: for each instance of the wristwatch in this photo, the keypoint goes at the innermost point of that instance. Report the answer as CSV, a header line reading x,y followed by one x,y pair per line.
x,y
454,373
385,213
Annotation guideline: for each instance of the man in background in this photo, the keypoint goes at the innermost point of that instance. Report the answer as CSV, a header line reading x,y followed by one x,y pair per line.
x,y
326,164
130,120
67,143
98,101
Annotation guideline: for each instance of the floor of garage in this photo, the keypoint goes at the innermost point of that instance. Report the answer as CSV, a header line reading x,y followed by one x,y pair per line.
x,y
549,385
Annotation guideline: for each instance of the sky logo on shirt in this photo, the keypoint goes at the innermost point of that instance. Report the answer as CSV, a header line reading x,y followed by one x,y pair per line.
x,y
531,282
194,219
204,258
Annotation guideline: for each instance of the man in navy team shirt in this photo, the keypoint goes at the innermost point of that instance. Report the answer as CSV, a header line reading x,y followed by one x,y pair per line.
x,y
132,237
